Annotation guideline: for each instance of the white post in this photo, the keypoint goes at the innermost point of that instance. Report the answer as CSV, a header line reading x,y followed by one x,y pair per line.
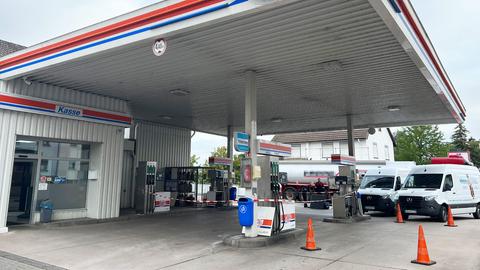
x,y
251,129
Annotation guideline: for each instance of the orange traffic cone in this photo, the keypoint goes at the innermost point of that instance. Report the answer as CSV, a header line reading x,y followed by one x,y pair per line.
x,y
422,252
450,222
399,214
310,245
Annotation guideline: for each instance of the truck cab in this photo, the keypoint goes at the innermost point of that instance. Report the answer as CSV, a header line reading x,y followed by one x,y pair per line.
x,y
379,186
430,189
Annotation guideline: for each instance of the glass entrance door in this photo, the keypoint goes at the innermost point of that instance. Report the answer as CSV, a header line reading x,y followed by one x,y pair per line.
x,y
21,191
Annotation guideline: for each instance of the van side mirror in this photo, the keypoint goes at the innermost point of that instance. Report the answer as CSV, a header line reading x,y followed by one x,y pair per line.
x,y
398,184
447,188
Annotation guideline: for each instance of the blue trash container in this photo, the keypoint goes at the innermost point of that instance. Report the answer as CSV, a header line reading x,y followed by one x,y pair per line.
x,y
245,212
46,211
233,194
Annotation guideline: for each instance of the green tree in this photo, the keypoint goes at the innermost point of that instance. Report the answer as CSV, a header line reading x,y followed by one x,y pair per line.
x,y
194,160
420,144
474,149
221,151
459,138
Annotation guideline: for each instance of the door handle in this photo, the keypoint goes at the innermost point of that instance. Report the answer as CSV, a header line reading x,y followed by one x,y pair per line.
x,y
454,193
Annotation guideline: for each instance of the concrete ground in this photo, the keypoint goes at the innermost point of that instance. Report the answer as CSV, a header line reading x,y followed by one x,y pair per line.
x,y
192,240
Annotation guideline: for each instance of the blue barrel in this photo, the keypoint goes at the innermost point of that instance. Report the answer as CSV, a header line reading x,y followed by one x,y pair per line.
x,y
245,212
233,193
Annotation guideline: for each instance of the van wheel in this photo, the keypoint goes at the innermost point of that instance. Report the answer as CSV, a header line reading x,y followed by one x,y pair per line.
x,y
443,215
476,215
290,194
405,216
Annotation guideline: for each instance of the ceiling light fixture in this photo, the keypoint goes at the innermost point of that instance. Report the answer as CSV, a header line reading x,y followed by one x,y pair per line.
x,y
334,65
166,117
393,108
276,120
179,92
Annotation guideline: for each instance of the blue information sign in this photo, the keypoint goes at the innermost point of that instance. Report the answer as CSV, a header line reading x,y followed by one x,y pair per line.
x,y
242,142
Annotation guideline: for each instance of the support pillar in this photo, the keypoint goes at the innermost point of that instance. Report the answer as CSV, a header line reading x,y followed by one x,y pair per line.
x,y
230,150
351,141
251,118
251,130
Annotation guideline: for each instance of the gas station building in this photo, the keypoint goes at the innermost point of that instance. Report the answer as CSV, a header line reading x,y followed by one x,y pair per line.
x,y
215,66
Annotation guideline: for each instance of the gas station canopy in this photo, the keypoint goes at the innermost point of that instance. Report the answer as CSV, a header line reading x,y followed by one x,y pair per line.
x,y
315,62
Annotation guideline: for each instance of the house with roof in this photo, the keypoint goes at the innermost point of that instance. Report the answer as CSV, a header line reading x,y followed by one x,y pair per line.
x,y
9,47
321,145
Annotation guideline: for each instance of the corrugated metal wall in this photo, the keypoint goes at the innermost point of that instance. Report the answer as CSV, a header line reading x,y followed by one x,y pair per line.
x,y
126,198
60,94
107,154
169,146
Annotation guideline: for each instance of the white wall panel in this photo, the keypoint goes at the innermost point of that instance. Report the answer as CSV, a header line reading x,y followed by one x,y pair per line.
x,y
169,146
50,92
109,142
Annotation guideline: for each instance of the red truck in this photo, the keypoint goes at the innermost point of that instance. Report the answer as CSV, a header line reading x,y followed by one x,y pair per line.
x,y
315,187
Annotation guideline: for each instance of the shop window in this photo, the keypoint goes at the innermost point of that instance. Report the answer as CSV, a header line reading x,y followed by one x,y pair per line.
x,y
65,150
64,169
327,150
375,151
26,147
387,152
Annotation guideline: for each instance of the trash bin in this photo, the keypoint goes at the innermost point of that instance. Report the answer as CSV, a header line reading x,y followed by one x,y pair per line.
x,y
46,210
245,212
233,194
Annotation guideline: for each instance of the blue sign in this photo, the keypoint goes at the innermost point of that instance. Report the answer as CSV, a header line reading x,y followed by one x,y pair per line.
x,y
242,142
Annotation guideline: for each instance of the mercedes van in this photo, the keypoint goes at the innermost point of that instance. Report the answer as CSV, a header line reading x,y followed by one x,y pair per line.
x,y
430,189
378,188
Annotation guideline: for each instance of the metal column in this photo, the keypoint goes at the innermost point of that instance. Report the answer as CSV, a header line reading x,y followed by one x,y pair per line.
x,y
351,142
230,150
251,117
251,129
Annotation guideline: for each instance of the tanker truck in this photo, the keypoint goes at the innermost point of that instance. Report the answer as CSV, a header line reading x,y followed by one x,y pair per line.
x,y
301,176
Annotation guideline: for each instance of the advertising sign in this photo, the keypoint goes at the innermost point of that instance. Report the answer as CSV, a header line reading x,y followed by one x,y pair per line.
x,y
162,202
242,142
48,107
265,220
288,217
269,148
343,160
219,161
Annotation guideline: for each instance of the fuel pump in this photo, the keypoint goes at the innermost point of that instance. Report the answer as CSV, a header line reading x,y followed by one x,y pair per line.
x,y
145,186
346,203
275,187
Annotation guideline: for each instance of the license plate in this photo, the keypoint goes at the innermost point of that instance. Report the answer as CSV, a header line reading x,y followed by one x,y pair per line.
x,y
410,211
370,207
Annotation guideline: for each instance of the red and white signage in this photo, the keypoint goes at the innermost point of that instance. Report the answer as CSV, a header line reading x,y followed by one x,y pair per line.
x,y
343,160
219,161
47,107
269,148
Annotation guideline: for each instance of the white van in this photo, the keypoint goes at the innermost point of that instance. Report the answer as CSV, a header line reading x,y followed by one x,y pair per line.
x,y
430,189
378,188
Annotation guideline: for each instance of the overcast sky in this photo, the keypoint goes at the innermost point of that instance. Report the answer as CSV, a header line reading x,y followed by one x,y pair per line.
x,y
453,27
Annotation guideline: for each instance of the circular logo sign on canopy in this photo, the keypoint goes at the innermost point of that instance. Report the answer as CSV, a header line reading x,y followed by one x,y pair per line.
x,y
159,47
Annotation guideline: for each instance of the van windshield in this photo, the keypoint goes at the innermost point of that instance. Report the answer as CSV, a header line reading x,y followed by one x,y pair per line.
x,y
377,181
424,181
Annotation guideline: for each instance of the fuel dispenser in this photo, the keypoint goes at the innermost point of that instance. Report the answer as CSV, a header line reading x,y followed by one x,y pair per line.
x,y
346,204
272,215
145,186
219,186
